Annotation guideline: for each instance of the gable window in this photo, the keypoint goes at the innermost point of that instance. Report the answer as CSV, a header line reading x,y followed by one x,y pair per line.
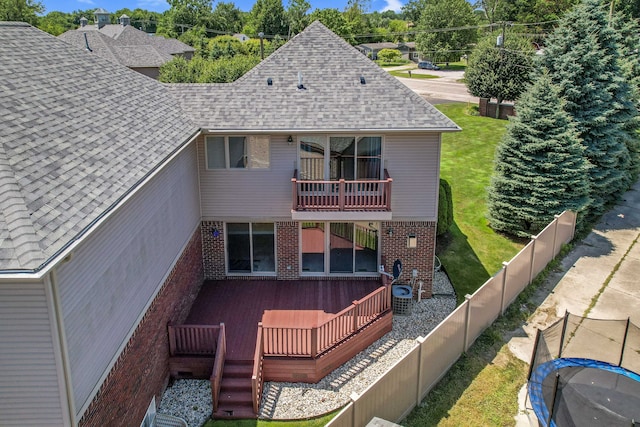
x,y
237,152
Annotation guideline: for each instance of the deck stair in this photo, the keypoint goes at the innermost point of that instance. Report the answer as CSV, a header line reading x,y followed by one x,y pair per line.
x,y
235,400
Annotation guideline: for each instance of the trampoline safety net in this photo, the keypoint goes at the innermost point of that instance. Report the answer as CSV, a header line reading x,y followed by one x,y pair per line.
x,y
585,372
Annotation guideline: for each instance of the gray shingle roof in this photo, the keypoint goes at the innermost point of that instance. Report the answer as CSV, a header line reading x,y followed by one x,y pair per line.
x,y
75,136
127,45
333,98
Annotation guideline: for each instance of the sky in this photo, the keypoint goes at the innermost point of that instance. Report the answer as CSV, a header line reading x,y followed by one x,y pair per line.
x,y
162,5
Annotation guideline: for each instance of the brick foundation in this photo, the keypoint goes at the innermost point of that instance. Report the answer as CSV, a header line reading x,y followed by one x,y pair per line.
x,y
142,370
394,246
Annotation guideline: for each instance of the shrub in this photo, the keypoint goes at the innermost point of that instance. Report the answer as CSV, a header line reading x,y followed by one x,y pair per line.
x,y
445,208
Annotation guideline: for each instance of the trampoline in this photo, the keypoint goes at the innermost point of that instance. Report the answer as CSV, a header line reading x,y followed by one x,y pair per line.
x,y
584,392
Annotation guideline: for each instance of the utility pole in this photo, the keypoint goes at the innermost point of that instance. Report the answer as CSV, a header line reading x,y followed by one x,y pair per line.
x,y
261,35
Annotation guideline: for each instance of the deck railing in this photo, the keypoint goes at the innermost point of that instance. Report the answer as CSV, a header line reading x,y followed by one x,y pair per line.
x,y
342,195
218,367
193,340
257,377
312,341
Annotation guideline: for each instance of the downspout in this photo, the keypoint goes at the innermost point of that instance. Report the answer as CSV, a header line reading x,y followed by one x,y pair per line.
x,y
61,341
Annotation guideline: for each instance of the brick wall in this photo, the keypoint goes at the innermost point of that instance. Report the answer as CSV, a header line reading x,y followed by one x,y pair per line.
x,y
288,255
213,250
142,370
394,246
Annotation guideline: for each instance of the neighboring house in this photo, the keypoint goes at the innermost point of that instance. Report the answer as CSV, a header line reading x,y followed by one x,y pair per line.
x,y
241,37
408,51
125,44
120,195
370,50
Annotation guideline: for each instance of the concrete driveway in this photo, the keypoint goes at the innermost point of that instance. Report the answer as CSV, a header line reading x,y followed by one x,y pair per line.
x,y
446,88
599,279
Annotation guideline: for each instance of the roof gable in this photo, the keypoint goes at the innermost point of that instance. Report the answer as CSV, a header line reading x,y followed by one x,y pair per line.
x,y
343,90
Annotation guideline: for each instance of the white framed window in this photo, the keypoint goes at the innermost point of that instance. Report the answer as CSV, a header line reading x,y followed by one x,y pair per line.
x,y
237,152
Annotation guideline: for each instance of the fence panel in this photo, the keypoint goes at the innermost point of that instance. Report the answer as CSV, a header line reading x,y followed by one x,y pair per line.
x,y
517,274
441,348
344,417
484,307
544,248
566,229
393,395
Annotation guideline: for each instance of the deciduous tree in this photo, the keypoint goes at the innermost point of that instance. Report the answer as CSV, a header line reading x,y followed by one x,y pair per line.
x,y
21,10
434,42
500,72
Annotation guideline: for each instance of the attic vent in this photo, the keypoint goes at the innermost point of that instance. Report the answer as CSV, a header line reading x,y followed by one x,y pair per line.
x,y
269,81
362,80
300,85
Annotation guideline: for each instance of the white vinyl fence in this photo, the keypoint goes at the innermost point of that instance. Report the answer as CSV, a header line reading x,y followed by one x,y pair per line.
x,y
394,395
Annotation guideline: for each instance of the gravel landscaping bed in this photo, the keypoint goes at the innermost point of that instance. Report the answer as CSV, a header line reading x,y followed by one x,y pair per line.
x,y
191,399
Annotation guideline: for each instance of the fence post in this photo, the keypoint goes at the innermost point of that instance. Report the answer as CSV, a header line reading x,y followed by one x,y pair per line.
x,y
467,323
575,220
420,341
354,399
504,287
555,235
534,239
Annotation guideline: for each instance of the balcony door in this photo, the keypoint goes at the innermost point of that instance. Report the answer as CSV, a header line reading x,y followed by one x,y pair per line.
x,y
323,158
339,248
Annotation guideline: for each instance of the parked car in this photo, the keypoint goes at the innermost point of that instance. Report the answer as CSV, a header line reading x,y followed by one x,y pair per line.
x,y
428,65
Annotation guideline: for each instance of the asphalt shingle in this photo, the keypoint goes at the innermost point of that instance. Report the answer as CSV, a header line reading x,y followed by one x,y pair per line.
x,y
333,98
75,136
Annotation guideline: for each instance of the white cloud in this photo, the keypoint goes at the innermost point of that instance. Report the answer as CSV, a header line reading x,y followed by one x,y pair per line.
x,y
394,5
86,2
153,5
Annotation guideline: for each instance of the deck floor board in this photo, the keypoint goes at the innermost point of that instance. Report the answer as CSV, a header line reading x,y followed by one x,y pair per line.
x,y
240,304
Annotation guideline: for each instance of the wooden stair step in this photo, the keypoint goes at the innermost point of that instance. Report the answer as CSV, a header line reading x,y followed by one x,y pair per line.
x,y
235,398
235,384
237,369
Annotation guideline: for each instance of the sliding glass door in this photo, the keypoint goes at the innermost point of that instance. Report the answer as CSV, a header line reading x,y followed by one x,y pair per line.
x,y
250,248
352,247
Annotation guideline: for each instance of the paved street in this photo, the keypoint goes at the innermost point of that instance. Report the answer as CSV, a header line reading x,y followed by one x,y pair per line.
x,y
446,88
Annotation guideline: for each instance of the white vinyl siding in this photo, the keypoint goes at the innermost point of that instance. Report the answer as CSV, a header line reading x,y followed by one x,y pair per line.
x,y
413,161
29,383
249,193
116,272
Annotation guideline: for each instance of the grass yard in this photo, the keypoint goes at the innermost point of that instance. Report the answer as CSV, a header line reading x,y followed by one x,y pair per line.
x,y
405,74
471,252
315,422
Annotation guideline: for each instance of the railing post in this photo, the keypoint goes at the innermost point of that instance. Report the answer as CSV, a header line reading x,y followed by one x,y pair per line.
x,y
341,194
388,191
355,315
314,341
294,195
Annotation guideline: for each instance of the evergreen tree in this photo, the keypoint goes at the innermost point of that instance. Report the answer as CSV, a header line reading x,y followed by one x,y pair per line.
x,y
539,169
581,56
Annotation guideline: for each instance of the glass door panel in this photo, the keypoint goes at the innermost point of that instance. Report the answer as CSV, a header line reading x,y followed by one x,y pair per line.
x,y
263,247
342,157
313,244
369,157
341,247
366,247
238,248
312,149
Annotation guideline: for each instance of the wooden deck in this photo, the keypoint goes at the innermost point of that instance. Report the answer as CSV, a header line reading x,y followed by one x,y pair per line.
x,y
240,305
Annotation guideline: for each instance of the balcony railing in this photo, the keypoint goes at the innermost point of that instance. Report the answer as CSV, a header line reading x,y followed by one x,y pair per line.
x,y
341,195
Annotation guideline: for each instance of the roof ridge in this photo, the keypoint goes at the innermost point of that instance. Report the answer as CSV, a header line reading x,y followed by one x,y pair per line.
x,y
16,216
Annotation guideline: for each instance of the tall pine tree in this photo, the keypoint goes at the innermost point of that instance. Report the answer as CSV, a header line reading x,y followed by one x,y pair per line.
x,y
582,59
539,169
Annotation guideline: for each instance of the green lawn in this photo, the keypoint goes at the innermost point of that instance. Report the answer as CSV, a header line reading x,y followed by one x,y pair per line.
x,y
471,252
405,73
315,422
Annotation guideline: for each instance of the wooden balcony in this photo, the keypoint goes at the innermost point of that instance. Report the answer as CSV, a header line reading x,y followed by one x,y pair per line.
x,y
311,197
